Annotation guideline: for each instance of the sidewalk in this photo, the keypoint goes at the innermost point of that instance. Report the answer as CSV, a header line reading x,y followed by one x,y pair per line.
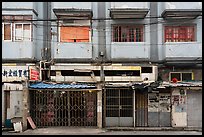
x,y
97,131
58,131
154,129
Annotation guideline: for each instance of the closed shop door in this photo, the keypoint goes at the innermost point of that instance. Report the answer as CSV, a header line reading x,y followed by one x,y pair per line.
x,y
119,107
141,108
63,108
159,109
194,108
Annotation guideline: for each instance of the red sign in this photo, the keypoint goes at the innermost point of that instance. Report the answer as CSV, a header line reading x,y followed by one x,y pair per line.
x,y
34,74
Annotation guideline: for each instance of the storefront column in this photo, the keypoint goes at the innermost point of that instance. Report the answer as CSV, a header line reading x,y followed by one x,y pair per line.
x,y
25,105
99,107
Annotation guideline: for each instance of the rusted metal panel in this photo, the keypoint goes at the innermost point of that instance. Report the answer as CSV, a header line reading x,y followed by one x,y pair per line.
x,y
141,99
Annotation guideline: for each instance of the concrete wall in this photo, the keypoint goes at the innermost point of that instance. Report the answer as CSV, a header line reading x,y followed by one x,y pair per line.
x,y
76,5
19,5
130,5
20,50
73,51
159,52
24,50
172,49
16,98
183,5
194,108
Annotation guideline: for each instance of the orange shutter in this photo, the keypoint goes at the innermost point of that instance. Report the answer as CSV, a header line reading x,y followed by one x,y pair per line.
x,y
74,34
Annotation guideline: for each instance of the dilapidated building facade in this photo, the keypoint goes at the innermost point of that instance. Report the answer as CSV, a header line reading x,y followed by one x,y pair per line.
x,y
104,64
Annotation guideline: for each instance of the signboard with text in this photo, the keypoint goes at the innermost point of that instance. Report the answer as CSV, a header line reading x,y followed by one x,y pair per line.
x,y
34,73
14,73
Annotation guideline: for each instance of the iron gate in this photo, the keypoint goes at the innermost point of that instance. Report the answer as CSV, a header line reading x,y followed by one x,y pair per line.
x,y
119,107
63,108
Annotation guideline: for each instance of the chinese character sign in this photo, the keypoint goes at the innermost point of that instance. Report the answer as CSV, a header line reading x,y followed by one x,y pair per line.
x,y
14,73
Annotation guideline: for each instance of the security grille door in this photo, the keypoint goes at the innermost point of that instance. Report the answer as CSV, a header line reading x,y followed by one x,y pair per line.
x,y
141,108
119,107
63,108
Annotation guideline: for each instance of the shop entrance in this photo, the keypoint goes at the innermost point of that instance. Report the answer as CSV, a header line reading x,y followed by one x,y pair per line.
x,y
63,108
119,107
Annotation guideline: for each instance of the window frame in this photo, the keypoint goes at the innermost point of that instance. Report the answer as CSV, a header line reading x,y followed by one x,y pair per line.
x,y
22,24
126,28
59,32
3,31
180,37
192,76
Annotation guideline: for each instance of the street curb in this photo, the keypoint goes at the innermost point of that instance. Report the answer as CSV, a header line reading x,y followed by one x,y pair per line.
x,y
153,129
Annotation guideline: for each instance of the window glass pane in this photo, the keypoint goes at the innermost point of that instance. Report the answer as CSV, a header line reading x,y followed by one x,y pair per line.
x,y
179,34
186,76
7,31
26,32
176,75
18,32
131,35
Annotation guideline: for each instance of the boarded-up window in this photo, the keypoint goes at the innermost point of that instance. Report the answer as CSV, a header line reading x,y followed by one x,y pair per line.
x,y
74,34
7,32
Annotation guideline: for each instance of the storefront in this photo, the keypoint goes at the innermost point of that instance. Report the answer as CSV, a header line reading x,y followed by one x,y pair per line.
x,y
63,104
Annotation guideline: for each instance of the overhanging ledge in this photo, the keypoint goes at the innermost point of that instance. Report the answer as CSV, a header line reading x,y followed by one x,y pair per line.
x,y
181,13
121,13
73,13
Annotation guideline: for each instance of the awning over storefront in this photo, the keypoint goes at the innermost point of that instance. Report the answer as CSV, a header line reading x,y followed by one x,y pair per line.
x,y
181,84
42,85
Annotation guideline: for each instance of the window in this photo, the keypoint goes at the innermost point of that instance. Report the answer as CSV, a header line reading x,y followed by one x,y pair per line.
x,y
128,34
181,76
19,30
22,32
179,33
6,31
74,34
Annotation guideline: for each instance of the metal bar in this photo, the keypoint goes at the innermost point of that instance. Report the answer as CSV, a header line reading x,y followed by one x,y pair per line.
x,y
134,108
68,97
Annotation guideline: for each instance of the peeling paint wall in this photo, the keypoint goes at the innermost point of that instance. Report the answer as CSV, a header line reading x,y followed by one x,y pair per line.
x,y
179,106
159,111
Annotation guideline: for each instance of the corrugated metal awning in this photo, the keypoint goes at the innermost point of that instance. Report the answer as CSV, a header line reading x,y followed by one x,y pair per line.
x,y
42,85
182,84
